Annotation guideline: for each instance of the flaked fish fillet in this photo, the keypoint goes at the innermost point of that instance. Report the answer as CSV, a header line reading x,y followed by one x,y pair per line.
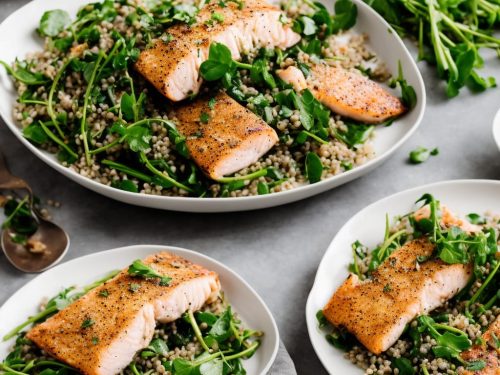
x,y
377,310
489,352
100,333
448,219
173,67
345,92
223,139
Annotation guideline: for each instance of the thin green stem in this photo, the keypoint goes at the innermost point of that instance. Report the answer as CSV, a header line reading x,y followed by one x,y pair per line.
x,y
118,43
388,242
197,331
127,170
83,124
245,352
242,65
10,370
30,320
145,160
251,176
32,101
315,137
13,73
50,99
485,284
57,140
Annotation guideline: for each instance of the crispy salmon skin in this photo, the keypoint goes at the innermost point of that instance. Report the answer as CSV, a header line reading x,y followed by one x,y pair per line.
x,y
223,137
173,66
377,310
100,333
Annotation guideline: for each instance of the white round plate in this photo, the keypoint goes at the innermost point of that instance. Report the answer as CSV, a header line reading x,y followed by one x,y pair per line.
x,y
496,128
82,271
22,38
367,226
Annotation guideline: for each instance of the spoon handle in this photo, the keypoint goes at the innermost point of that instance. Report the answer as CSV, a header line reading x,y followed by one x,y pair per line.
x,y
11,182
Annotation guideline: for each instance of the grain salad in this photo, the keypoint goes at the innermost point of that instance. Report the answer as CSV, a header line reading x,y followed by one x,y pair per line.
x,y
461,335
81,98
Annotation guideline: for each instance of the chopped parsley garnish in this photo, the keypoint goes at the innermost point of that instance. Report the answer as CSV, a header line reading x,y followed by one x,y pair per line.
x,y
387,288
104,293
211,103
204,117
95,340
133,287
139,269
88,322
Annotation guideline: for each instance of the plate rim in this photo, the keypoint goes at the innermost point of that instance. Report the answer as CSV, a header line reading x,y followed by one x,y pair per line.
x,y
156,247
496,128
214,204
321,265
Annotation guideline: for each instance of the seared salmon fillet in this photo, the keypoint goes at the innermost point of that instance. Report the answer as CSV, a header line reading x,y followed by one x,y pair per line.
x,y
225,138
489,352
100,333
377,310
173,66
346,92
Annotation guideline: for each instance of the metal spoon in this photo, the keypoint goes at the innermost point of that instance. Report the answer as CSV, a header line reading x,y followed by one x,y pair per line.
x,y
54,238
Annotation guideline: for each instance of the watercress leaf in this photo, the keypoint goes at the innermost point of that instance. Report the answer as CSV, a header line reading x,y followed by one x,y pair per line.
x,y
119,128
213,367
127,107
35,133
88,70
138,138
212,70
345,16
53,22
445,352
314,167
220,330
126,185
419,155
475,219
63,44
456,342
403,365
356,134
320,317
183,367
206,317
158,346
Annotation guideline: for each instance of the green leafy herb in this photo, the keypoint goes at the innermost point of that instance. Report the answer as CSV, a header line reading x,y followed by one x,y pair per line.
x,y
404,366
104,293
53,22
449,35
409,96
320,317
139,269
421,154
314,167
134,287
95,340
204,117
88,322
345,16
